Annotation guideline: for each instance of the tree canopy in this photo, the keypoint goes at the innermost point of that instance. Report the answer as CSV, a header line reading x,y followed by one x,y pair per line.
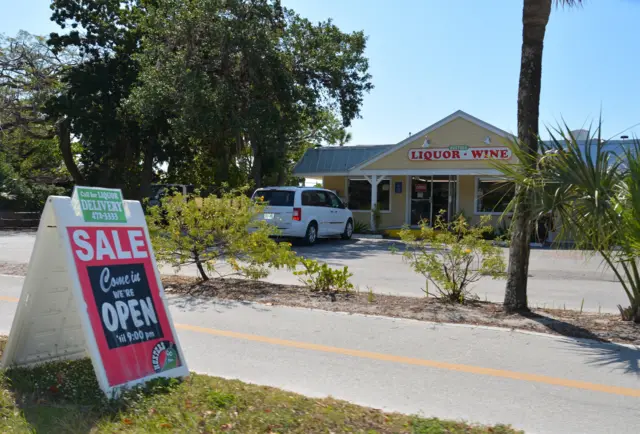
x,y
30,161
246,85
207,92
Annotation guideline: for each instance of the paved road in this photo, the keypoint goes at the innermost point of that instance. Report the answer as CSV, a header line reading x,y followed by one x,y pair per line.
x,y
537,383
559,278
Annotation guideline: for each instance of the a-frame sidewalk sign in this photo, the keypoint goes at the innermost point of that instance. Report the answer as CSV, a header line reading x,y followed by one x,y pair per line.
x,y
93,288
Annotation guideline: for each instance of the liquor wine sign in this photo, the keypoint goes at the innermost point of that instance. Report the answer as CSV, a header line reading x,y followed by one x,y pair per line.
x,y
102,280
458,153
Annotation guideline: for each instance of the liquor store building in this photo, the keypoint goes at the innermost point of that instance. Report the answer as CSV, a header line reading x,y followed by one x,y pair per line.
x,y
446,166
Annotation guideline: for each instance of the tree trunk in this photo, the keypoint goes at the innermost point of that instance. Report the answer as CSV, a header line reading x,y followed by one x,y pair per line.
x,y
535,16
64,142
147,170
196,258
256,169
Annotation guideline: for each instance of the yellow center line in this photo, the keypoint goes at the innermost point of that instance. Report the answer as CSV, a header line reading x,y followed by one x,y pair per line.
x,y
624,391
500,373
7,298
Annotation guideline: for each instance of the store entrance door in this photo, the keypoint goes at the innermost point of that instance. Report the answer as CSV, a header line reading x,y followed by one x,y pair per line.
x,y
432,194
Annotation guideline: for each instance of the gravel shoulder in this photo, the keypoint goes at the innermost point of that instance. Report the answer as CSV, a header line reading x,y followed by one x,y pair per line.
x,y
570,323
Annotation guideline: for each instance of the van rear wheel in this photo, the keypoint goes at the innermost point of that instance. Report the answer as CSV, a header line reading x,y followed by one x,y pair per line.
x,y
311,236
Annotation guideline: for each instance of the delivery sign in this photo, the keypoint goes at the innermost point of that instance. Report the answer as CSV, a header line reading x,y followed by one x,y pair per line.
x,y
127,314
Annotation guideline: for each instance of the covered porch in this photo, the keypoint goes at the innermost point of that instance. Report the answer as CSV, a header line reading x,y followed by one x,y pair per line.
x,y
408,199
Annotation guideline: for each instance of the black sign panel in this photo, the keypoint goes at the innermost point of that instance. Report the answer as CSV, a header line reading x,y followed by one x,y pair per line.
x,y
124,303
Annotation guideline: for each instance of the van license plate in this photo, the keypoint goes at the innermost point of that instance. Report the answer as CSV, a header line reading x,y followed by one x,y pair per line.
x,y
268,216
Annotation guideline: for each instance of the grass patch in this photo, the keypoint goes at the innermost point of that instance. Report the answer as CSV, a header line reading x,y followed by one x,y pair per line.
x,y
63,397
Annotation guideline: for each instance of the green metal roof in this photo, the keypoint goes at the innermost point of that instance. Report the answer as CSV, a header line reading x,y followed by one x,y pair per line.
x,y
336,160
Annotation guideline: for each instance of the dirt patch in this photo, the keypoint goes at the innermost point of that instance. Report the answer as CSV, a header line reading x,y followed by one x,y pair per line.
x,y
602,327
13,269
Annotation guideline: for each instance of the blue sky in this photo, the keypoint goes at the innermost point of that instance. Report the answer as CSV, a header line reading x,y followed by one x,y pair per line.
x,y
430,58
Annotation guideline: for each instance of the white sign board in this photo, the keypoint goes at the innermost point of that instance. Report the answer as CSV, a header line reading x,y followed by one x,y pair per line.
x,y
93,288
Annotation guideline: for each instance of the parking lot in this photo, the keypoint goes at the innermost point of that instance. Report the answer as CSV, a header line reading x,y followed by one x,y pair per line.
x,y
558,278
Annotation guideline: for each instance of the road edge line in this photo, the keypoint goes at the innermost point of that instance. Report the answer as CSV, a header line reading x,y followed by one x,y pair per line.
x,y
478,370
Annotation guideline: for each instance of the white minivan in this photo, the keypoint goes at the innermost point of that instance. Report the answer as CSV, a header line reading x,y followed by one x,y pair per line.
x,y
306,212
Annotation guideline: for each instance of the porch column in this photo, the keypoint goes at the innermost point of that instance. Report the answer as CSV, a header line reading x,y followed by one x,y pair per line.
x,y
374,200
374,180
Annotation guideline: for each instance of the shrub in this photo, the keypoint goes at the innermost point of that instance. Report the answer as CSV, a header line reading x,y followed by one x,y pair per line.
x,y
206,231
451,256
322,278
360,227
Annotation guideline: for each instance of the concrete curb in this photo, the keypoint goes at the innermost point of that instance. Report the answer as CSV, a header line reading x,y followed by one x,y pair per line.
x,y
367,236
433,323
12,275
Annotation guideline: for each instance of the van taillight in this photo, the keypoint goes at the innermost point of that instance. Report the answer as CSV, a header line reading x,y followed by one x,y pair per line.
x,y
297,214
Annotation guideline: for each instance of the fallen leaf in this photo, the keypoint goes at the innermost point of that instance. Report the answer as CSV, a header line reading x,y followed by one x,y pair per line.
x,y
127,421
166,425
226,426
267,410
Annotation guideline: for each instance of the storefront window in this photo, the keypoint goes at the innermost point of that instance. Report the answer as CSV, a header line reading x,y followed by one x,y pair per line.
x,y
493,195
360,195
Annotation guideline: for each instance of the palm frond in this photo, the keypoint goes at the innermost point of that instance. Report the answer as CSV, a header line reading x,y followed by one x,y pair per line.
x,y
568,3
593,192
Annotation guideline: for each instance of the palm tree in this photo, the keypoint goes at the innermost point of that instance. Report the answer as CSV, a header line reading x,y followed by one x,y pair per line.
x,y
343,138
535,16
594,193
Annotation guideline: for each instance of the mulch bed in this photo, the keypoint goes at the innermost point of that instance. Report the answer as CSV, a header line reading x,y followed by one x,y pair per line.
x,y
601,327
13,269
571,323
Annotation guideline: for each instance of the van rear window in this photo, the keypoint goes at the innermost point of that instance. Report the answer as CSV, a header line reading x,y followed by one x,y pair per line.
x,y
276,197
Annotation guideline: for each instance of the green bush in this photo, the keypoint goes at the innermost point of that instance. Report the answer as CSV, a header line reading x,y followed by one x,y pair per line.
x,y
209,231
452,255
322,278
20,194
360,227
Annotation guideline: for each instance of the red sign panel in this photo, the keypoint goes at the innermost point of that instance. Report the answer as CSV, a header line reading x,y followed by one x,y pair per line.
x,y
127,315
445,154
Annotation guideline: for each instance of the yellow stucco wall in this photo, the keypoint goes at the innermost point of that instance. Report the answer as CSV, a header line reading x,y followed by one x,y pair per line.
x,y
457,132
466,191
398,204
335,183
